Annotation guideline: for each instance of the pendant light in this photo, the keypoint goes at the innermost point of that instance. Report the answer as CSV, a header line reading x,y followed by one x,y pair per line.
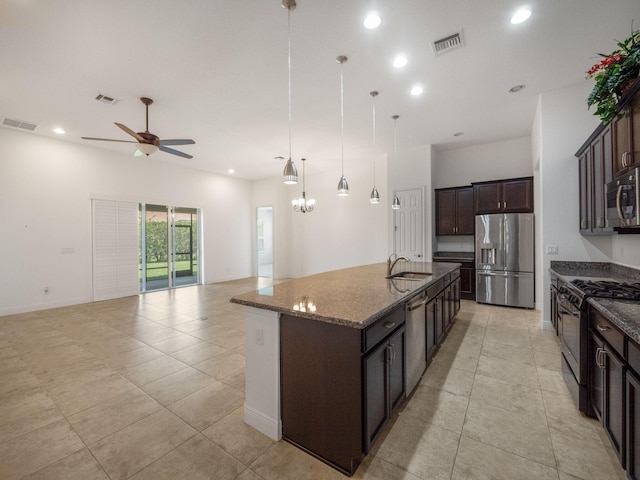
x,y
375,196
302,204
343,186
290,173
396,201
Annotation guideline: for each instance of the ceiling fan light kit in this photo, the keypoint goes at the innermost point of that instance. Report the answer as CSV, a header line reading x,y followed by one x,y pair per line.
x,y
147,142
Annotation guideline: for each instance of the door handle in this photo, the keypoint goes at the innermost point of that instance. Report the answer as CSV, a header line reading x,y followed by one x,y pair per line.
x,y
603,328
389,324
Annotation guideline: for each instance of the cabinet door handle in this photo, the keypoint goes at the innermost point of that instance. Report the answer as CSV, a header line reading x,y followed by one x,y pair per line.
x,y
498,205
504,205
393,353
603,328
389,324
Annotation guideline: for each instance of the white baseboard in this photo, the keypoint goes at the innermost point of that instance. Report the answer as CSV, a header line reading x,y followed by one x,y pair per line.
x,y
271,427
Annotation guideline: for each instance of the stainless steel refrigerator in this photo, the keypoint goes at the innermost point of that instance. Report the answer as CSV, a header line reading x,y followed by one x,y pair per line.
x,y
505,259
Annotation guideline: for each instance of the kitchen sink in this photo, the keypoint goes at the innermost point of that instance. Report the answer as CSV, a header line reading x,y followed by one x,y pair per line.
x,y
410,275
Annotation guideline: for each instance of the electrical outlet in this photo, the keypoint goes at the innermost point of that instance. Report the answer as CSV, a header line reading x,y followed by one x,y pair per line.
x,y
259,337
552,250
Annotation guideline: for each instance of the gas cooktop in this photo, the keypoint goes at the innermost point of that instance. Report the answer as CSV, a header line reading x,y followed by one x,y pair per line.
x,y
608,289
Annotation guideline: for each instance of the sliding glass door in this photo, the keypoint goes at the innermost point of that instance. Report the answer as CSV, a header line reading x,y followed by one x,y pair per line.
x,y
168,247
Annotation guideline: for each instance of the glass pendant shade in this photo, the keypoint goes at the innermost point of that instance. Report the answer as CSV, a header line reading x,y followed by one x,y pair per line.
x,y
290,173
396,202
375,196
343,187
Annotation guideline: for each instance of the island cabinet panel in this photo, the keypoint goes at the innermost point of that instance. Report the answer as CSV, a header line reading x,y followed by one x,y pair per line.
x,y
321,382
384,384
633,426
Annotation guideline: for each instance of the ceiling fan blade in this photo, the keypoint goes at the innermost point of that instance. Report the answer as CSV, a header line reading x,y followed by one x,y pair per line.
x,y
177,141
131,132
108,139
174,152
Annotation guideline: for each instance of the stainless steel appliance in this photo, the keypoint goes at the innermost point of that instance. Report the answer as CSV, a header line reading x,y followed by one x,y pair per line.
x,y
505,259
572,328
622,200
415,339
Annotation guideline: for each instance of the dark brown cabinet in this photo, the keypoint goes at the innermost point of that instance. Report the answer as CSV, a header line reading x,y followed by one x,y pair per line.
x,y
633,425
504,196
607,379
595,170
454,211
384,384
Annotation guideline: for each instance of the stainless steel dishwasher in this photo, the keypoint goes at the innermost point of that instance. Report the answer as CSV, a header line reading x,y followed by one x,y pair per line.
x,y
415,355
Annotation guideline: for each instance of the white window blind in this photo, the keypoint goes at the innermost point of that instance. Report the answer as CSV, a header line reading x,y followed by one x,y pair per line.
x,y
115,249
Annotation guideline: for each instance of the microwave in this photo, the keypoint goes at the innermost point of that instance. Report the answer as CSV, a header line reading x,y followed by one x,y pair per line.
x,y
622,200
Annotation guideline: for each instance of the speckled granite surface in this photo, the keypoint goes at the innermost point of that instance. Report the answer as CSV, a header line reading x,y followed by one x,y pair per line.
x,y
624,314
354,297
462,256
594,270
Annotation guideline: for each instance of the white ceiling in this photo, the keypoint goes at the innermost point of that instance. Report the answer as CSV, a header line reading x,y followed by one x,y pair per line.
x,y
217,71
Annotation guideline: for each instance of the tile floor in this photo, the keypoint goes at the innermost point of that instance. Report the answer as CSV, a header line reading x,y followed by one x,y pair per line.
x,y
152,387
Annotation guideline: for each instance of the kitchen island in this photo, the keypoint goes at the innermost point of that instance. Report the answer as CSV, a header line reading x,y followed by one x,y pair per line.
x,y
325,354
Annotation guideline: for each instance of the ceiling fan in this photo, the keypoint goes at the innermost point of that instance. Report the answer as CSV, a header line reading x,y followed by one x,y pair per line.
x,y
148,143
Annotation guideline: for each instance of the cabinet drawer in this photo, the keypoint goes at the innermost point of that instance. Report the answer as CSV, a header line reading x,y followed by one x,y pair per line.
x,y
613,336
435,289
633,356
383,327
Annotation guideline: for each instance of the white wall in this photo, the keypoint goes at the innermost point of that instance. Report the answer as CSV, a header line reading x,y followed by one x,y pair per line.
x,y
46,186
340,232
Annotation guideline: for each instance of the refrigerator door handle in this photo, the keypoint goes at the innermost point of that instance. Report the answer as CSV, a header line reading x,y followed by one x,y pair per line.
x,y
503,274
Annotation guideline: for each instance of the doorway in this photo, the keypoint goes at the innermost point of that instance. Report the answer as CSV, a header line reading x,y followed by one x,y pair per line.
x,y
168,247
264,241
408,233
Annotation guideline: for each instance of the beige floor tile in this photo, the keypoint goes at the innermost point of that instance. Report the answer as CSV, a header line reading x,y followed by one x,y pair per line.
x,y
179,342
544,340
563,415
377,469
469,347
514,397
18,381
131,449
239,439
37,449
421,448
132,358
77,466
584,457
523,434
516,337
249,475
198,353
178,385
520,354
458,360
153,370
438,407
548,360
222,365
236,380
112,415
73,398
514,372
26,411
156,335
205,407
552,380
451,380
196,459
283,461
479,461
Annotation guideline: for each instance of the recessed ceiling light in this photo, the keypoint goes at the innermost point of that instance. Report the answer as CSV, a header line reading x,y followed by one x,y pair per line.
x,y
458,134
372,20
520,16
516,88
417,90
400,60
231,171
59,131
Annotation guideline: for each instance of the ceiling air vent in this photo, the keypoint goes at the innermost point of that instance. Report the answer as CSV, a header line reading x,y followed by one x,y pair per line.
x,y
448,43
9,122
106,99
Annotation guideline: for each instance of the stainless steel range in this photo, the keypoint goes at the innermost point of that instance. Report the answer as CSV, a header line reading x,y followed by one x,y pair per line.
x,y
572,327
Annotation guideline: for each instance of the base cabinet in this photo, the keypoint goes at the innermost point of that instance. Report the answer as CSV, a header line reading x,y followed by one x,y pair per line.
x,y
633,425
384,384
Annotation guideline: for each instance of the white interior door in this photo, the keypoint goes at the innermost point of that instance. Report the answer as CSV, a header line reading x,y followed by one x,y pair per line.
x,y
408,237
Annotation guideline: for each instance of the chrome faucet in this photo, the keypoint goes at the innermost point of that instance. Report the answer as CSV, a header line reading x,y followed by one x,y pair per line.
x,y
392,263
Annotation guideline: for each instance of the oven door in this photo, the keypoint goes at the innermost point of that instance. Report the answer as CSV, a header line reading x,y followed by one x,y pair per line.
x,y
571,334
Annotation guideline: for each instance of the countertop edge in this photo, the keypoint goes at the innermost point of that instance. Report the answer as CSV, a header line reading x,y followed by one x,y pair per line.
x,y
611,309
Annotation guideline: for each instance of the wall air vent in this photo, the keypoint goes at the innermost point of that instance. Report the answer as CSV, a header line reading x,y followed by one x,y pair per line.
x,y
448,43
9,122
106,99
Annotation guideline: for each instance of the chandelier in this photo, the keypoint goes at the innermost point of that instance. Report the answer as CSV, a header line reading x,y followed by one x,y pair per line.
x,y
302,204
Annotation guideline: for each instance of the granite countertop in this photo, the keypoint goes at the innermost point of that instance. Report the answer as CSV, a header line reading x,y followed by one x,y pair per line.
x,y
461,256
594,271
624,314
354,297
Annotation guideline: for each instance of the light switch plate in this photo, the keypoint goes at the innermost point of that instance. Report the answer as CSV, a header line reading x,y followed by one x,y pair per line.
x,y
552,250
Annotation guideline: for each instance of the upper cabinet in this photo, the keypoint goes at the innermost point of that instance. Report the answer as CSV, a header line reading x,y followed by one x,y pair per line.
x,y
514,195
454,211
